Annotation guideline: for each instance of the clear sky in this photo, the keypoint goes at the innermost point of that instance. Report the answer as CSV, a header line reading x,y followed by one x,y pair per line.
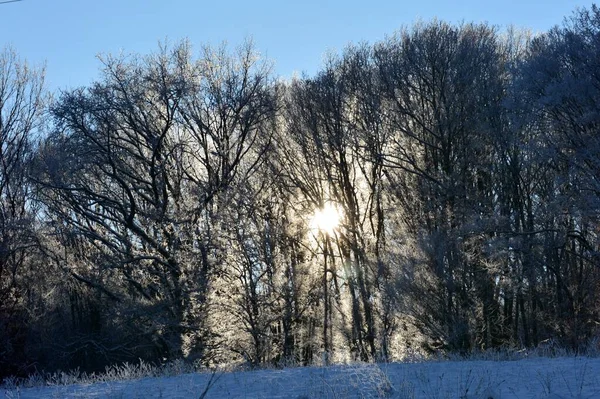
x,y
68,34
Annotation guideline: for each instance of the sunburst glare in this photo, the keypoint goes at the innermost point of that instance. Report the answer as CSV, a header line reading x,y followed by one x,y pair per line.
x,y
326,219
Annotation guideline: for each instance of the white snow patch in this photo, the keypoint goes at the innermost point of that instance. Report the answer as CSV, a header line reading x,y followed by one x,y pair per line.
x,y
529,378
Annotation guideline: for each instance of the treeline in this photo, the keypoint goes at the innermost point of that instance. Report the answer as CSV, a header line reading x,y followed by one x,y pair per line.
x,y
166,210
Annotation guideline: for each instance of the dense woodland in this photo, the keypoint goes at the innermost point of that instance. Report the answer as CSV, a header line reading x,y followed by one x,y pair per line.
x,y
166,211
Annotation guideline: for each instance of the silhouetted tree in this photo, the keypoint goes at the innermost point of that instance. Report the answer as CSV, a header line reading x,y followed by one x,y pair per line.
x,y
22,102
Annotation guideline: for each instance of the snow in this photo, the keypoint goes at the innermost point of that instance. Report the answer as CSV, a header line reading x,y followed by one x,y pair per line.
x,y
573,377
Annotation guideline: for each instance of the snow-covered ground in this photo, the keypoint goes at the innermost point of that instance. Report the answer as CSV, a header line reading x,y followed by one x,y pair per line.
x,y
528,378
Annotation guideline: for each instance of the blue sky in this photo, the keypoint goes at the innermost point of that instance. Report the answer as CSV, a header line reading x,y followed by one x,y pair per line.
x,y
68,34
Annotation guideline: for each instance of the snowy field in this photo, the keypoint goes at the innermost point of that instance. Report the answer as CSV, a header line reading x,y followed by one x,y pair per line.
x,y
568,377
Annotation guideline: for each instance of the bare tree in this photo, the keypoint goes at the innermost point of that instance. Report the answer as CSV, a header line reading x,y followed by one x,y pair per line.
x,y
558,86
442,85
22,102
138,160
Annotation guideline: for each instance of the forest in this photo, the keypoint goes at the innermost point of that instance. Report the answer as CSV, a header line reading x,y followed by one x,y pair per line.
x,y
434,192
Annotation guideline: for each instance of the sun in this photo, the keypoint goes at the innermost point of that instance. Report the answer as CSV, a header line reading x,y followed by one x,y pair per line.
x,y
326,219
